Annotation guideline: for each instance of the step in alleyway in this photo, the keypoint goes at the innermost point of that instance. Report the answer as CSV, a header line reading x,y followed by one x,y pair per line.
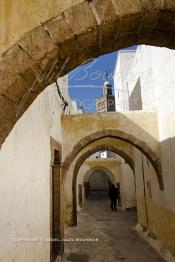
x,y
103,235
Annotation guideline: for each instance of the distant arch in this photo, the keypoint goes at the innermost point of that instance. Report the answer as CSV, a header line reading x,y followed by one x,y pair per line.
x,y
102,168
79,163
112,133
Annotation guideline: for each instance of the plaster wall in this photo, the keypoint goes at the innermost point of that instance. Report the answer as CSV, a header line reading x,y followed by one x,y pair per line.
x,y
20,17
68,195
25,167
153,213
155,69
72,106
123,66
142,125
111,164
98,181
127,186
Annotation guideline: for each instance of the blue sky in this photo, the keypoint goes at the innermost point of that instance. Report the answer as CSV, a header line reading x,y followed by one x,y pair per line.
x,y
86,81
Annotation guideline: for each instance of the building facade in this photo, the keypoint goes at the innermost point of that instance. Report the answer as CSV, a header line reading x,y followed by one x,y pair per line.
x,y
123,65
106,103
150,87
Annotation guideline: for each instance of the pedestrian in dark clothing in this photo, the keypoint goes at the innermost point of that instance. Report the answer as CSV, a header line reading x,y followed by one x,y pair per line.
x,y
113,195
86,189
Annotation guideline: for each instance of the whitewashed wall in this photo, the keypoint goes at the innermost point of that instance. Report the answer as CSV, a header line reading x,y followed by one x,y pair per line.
x,y
153,71
124,62
128,193
25,159
156,69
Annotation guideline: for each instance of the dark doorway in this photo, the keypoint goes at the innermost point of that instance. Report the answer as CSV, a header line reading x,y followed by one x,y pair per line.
x,y
80,192
119,194
56,246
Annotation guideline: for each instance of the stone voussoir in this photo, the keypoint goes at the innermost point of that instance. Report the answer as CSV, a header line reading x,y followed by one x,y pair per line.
x,y
150,5
74,152
97,135
148,21
85,141
27,70
7,75
146,26
17,90
164,21
161,38
86,155
109,32
88,46
126,39
59,30
142,144
169,5
127,7
119,134
80,17
104,11
69,55
38,44
7,106
153,156
129,23
21,60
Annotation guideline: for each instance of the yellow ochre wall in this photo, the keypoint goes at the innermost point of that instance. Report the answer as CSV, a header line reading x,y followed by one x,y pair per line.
x,y
21,16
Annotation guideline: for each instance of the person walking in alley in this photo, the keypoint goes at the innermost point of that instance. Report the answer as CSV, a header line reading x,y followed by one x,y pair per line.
x,y
113,195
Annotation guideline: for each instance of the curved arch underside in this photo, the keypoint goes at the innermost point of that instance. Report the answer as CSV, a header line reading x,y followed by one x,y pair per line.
x,y
79,163
154,159
90,152
82,32
100,168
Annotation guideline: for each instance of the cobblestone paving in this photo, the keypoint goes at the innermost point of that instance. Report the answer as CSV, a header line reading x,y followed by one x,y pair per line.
x,y
118,240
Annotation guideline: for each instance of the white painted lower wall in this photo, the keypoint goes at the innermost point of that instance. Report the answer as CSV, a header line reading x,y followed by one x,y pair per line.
x,y
25,160
153,72
154,67
128,193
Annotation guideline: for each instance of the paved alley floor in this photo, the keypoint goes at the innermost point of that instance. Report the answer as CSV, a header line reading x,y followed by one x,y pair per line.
x,y
110,236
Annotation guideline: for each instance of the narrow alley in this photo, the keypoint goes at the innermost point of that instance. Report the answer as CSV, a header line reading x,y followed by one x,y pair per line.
x,y
112,235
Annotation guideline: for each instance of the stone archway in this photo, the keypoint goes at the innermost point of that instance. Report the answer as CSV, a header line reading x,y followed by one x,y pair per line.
x,y
154,159
74,33
101,168
106,176
81,160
